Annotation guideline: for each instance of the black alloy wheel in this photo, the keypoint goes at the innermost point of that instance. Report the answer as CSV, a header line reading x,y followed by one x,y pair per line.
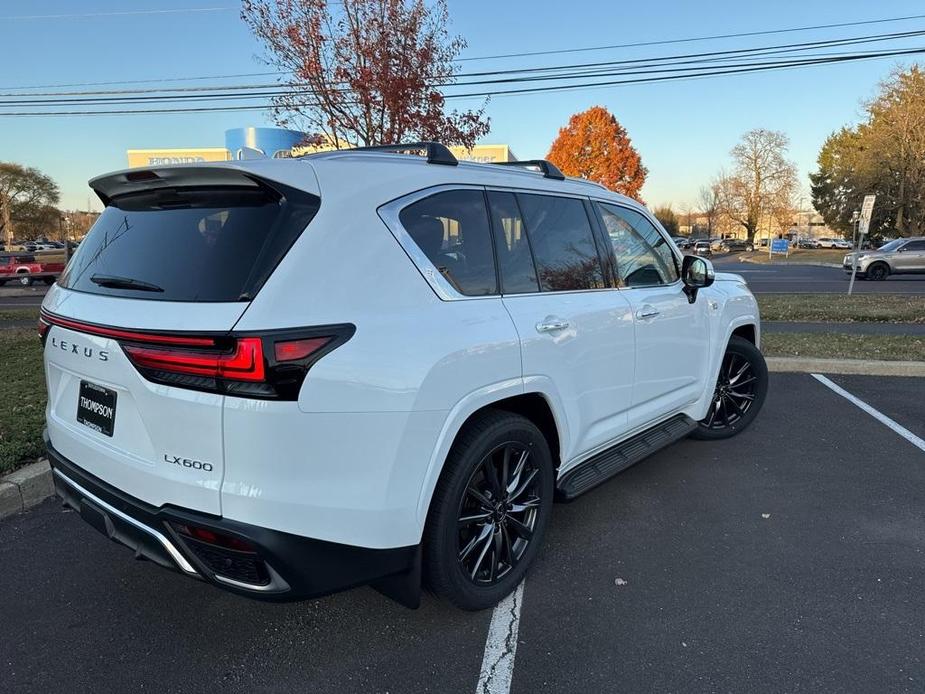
x,y
877,272
489,511
498,513
739,393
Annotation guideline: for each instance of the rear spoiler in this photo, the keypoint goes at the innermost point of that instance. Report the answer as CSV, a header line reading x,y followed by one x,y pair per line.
x,y
131,181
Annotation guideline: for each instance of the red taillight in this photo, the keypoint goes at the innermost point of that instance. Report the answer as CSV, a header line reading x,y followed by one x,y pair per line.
x,y
43,329
293,350
135,336
226,363
244,363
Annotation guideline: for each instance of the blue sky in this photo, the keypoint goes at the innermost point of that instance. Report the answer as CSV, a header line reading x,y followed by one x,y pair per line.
x,y
683,129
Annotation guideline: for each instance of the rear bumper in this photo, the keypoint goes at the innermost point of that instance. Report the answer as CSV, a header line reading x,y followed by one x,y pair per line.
x,y
281,567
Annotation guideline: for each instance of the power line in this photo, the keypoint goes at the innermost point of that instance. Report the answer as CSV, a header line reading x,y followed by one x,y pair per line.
x,y
724,71
491,57
556,72
121,13
745,34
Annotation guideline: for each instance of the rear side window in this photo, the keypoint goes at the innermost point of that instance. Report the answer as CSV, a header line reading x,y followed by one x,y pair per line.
x,y
452,230
210,245
643,256
562,242
518,274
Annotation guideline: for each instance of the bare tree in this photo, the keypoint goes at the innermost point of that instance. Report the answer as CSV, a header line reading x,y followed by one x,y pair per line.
x,y
364,72
762,181
709,199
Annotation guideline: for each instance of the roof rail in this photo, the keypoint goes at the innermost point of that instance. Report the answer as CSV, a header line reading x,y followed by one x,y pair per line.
x,y
548,169
436,153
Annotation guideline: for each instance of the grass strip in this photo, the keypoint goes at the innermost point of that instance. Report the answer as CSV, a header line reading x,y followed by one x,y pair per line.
x,y
22,398
843,346
841,308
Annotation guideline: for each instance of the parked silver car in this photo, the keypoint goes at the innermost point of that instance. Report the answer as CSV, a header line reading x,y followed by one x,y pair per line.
x,y
898,257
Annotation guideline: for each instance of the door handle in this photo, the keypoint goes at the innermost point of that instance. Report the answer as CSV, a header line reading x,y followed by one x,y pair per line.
x,y
647,312
551,324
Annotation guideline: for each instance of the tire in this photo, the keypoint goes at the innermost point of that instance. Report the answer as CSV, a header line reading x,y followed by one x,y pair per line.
x,y
475,564
739,394
25,281
878,272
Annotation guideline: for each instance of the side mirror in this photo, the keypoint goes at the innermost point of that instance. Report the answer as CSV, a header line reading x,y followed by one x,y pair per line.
x,y
696,273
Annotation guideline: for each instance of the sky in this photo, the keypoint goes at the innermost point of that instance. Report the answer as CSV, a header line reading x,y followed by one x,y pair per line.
x,y
683,130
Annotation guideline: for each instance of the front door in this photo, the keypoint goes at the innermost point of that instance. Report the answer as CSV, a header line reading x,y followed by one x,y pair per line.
x,y
672,335
576,335
911,257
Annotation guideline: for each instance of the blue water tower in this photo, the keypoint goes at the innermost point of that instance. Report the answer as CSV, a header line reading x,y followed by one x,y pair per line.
x,y
273,142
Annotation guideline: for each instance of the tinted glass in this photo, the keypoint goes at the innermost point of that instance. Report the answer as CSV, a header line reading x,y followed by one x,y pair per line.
x,y
562,242
643,256
452,230
891,246
194,245
914,246
518,274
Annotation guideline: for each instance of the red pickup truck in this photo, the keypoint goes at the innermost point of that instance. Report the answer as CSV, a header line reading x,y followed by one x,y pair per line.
x,y
25,268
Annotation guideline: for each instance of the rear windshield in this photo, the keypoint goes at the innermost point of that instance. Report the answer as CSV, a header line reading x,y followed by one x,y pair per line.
x,y
218,244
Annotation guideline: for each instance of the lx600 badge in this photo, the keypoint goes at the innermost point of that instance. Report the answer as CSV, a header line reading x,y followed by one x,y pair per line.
x,y
188,463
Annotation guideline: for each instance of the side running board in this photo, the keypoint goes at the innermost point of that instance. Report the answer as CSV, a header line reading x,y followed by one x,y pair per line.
x,y
608,463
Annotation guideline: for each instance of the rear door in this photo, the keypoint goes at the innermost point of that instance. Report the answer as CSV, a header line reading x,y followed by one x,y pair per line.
x,y
137,345
576,333
672,335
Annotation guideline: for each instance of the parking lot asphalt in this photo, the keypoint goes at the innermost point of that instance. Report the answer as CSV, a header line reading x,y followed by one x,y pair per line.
x,y
789,558
812,279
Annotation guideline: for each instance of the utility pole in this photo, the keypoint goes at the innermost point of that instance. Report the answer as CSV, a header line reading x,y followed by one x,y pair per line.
x,y
7,222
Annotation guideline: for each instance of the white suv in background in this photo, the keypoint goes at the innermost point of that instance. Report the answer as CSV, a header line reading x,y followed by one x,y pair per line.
x,y
289,377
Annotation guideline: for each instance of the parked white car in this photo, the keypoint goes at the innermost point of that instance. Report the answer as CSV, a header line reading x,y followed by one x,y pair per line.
x,y
826,242
289,377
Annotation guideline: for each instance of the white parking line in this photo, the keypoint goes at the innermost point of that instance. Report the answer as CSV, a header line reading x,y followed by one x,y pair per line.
x,y
898,428
501,645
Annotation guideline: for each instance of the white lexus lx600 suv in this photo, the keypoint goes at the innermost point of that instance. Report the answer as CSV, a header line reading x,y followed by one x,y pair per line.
x,y
290,377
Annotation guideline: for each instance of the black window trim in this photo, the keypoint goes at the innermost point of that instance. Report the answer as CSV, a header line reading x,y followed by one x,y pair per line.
x,y
585,199
679,258
494,242
389,214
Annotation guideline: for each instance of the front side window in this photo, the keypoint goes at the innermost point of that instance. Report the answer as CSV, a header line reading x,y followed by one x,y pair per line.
x,y
562,242
643,256
452,230
914,246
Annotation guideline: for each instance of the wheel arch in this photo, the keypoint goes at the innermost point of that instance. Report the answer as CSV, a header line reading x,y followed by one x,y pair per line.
x,y
537,406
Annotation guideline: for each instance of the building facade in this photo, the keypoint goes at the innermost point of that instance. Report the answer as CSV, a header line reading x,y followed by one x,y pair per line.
x,y
278,143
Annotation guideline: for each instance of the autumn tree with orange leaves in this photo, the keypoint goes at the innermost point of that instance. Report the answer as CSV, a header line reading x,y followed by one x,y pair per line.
x,y
364,72
595,146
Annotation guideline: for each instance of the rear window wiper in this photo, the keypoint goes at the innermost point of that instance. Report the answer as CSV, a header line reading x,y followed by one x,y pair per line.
x,y
114,282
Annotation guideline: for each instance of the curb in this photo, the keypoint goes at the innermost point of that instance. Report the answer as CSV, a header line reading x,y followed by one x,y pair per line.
x,y
860,367
10,292
26,487
784,262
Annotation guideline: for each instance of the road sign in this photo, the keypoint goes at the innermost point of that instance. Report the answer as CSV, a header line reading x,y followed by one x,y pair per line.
x,y
867,209
780,246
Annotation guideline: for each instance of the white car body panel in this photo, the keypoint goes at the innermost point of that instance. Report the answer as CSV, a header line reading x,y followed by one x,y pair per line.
x,y
356,457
